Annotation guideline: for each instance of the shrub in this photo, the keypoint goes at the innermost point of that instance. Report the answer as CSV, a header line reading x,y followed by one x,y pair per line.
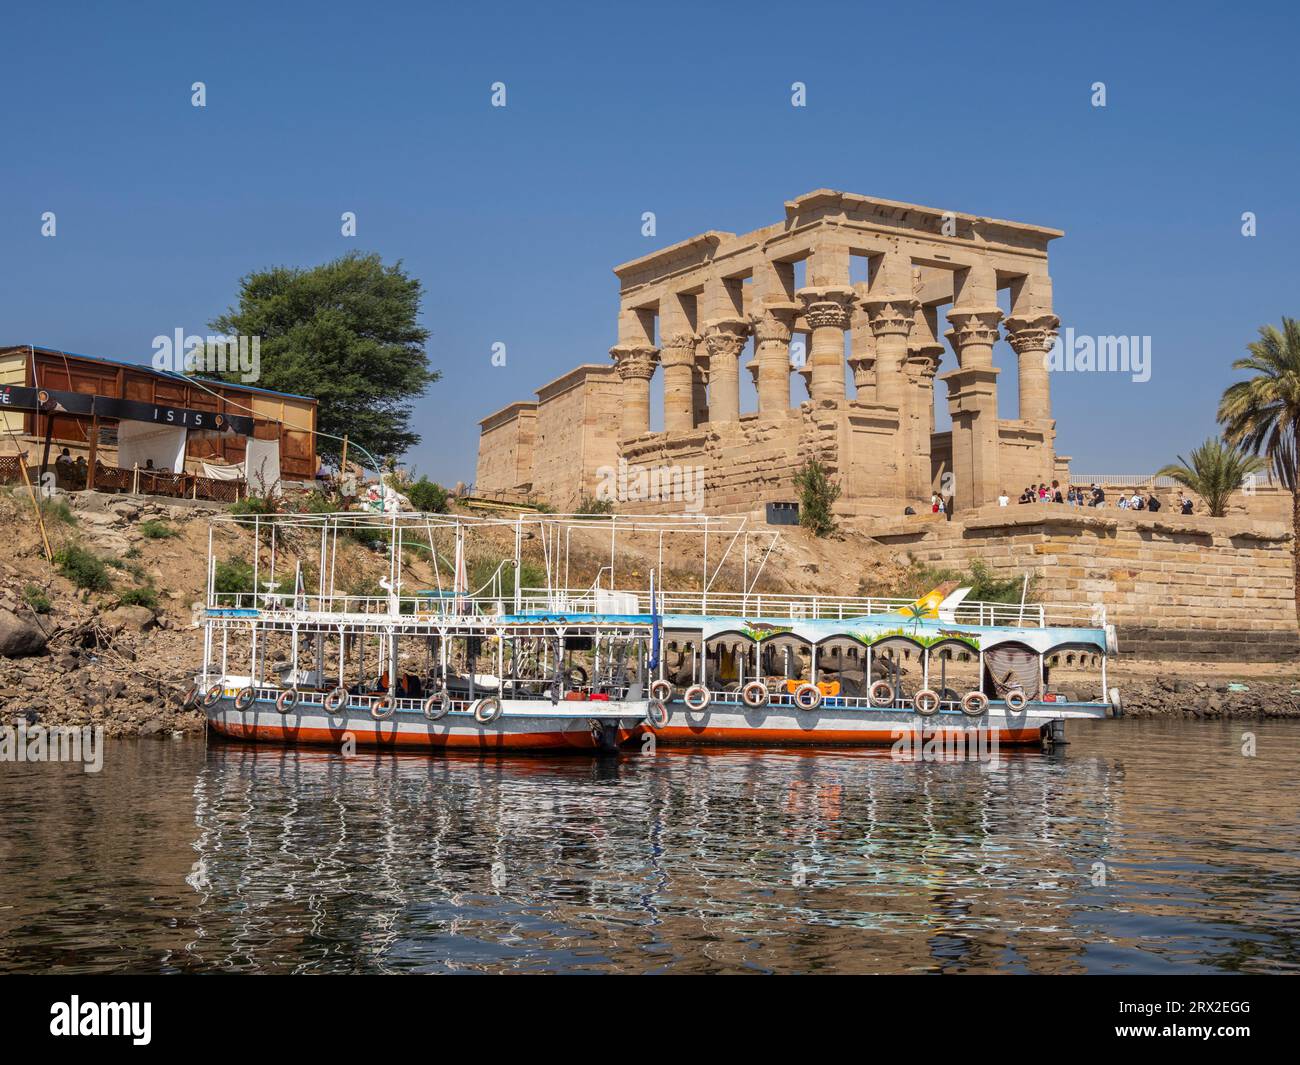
x,y
590,505
315,502
83,569
57,511
817,494
254,504
233,575
427,496
157,530
144,596
36,598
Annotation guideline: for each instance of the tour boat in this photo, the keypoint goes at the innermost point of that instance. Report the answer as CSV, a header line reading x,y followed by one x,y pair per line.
x,y
610,665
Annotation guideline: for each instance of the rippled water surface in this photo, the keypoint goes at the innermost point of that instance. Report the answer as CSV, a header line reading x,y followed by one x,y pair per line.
x,y
1141,847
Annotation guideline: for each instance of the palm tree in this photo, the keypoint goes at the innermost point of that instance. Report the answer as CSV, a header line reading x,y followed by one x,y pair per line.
x,y
1262,414
1216,471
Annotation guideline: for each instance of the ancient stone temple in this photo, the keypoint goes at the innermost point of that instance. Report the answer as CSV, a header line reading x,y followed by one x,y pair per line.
x,y
866,354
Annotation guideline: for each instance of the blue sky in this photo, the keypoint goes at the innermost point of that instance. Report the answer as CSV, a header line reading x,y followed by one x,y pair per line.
x,y
514,217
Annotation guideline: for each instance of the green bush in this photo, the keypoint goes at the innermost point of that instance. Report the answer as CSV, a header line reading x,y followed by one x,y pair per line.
x,y
427,496
57,511
144,596
82,568
255,505
594,507
157,530
984,587
480,573
233,575
315,502
817,494
36,598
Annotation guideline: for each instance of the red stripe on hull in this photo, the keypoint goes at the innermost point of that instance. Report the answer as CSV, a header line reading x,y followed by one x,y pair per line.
x,y
836,737
575,740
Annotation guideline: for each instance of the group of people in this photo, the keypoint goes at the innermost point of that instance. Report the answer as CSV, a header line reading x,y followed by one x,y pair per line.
x,y
1093,496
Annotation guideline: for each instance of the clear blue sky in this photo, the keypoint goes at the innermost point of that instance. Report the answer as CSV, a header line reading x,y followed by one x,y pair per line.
x,y
513,217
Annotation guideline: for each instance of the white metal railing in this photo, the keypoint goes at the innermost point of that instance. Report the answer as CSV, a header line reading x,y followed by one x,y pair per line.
x,y
714,604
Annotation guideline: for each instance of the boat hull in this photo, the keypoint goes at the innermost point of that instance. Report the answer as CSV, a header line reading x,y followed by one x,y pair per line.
x,y
595,726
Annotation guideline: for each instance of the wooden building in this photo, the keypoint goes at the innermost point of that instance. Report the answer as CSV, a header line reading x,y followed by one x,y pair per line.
x,y
81,401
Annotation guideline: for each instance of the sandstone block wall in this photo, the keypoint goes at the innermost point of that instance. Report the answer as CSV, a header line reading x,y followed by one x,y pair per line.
x,y
1195,588
505,453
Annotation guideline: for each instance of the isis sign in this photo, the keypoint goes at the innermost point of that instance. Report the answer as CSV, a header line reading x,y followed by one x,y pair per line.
x,y
51,401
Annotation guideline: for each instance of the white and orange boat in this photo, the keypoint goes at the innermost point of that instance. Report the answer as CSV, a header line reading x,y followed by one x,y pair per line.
x,y
506,667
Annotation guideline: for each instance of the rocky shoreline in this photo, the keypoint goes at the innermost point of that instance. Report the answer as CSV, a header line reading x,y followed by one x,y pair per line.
x,y
1178,697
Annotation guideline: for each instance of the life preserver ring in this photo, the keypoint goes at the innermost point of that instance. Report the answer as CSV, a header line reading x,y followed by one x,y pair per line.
x,y
213,695
487,710
336,700
287,700
807,696
191,697
656,715
383,707
881,693
576,676
926,702
245,697
973,704
437,705
697,697
661,690
754,694
1016,700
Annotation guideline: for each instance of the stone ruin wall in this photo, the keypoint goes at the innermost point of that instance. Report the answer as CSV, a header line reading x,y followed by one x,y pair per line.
x,y
1176,587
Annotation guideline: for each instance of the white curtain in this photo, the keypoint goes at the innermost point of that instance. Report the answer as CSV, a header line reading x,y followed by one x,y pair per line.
x,y
140,442
262,462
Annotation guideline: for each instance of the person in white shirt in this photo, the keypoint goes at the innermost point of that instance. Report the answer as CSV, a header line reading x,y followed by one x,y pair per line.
x,y
1004,499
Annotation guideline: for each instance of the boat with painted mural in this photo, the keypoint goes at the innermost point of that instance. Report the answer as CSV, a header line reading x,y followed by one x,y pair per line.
x,y
294,658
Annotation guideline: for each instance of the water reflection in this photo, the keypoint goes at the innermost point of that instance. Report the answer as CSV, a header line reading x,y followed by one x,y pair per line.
x,y
1143,847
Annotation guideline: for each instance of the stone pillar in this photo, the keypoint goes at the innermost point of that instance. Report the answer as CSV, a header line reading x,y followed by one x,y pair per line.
x,y
1031,330
678,357
700,383
862,356
827,312
973,388
635,365
725,340
891,308
923,353
771,328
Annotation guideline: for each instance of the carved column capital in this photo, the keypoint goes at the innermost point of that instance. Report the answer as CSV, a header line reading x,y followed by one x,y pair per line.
x,y
724,343
772,326
635,361
974,326
678,349
891,315
1036,332
827,307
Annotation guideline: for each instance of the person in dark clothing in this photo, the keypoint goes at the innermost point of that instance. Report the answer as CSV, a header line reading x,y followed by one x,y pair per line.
x,y
1153,504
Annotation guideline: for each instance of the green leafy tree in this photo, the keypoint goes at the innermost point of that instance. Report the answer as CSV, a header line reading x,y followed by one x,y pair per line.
x,y
817,495
346,333
427,496
1262,413
1215,471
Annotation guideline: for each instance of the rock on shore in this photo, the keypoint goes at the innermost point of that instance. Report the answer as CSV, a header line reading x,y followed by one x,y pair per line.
x,y
1179,697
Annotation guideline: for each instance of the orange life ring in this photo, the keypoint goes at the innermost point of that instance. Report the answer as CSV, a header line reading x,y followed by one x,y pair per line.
x,y
807,697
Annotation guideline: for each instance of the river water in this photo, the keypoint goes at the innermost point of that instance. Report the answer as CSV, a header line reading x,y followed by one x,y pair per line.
x,y
1143,846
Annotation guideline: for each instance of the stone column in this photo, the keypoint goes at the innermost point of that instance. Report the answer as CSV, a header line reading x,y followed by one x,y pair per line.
x,y
700,383
862,356
891,308
725,339
1031,330
973,388
827,312
923,353
635,365
678,357
772,334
